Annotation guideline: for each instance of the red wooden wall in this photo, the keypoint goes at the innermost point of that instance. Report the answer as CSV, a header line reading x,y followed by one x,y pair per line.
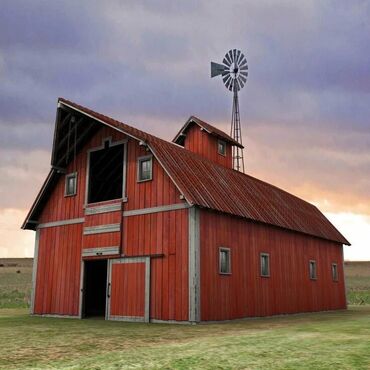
x,y
157,233
58,270
287,290
201,142
164,233
128,289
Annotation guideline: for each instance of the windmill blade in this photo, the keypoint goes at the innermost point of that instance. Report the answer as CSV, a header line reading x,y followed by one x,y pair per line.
x,y
227,57
243,64
226,78
240,82
245,74
238,52
217,69
231,55
244,68
234,54
226,62
229,83
244,79
241,58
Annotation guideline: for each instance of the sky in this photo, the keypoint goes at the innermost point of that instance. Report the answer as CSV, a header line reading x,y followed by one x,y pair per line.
x,y
305,109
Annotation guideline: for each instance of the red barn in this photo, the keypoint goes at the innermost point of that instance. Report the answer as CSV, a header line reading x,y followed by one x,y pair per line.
x,y
132,227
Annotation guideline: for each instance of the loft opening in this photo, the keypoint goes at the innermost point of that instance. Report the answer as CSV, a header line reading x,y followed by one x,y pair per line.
x,y
95,288
106,173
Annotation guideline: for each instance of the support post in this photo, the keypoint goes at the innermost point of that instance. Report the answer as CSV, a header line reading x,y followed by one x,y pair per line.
x,y
34,271
194,265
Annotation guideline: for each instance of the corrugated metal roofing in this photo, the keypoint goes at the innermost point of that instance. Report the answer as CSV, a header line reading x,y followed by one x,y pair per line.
x,y
209,185
209,128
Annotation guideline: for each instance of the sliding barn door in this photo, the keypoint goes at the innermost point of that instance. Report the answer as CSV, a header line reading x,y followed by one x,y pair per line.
x,y
129,289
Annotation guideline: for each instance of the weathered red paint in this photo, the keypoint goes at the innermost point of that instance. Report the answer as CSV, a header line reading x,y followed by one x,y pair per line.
x,y
201,142
158,233
244,292
253,217
128,289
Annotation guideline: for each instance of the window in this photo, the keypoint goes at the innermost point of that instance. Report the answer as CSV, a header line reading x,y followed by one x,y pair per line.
x,y
313,273
224,261
221,147
265,264
334,271
144,168
105,173
71,184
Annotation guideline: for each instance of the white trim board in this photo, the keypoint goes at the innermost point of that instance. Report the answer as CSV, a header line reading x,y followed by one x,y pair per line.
x,y
100,251
100,229
70,221
103,208
165,208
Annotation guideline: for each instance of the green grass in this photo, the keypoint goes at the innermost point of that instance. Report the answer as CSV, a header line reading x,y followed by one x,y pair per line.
x,y
339,340
15,282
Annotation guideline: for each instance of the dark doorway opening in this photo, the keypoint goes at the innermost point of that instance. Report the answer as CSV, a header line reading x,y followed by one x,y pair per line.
x,y
106,173
95,288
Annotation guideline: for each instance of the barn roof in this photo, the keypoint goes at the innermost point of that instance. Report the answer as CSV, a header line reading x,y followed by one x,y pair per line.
x,y
207,127
207,184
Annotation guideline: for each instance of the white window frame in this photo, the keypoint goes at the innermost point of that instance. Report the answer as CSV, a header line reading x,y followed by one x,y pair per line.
x,y
263,255
138,167
315,270
67,177
228,250
336,276
218,147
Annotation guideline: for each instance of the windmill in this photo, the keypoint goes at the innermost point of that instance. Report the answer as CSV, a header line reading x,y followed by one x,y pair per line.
x,y
234,72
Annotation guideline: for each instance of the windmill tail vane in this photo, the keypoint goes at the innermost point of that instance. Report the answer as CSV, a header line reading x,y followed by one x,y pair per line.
x,y
234,73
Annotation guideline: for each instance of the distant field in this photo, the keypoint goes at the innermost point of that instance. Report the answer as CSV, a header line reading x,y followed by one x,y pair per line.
x,y
15,282
16,277
358,282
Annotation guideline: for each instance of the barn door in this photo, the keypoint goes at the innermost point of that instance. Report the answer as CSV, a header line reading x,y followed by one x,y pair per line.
x,y
128,289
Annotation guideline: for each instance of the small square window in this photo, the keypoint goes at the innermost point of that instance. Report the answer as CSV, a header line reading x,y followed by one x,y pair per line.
x,y
224,261
144,168
221,147
71,184
334,271
313,272
265,264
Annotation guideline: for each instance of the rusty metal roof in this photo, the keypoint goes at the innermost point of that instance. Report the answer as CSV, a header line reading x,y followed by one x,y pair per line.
x,y
206,184
206,126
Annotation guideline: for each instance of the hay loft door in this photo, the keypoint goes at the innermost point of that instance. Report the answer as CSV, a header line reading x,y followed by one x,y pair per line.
x,y
129,289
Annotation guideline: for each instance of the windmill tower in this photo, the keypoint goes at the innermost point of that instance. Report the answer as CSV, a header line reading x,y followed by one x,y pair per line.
x,y
234,72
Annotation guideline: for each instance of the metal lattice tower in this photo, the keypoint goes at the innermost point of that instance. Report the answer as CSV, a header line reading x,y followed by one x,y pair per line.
x,y
234,72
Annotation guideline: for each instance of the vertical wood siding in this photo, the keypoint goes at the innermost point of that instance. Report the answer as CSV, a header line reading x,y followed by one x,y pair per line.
x,y
128,289
287,290
58,271
159,233
201,142
60,207
156,234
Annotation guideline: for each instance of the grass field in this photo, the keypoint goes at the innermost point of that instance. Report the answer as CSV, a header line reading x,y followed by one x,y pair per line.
x,y
331,340
328,340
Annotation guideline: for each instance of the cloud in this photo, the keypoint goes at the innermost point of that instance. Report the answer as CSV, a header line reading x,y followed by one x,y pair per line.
x,y
304,109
